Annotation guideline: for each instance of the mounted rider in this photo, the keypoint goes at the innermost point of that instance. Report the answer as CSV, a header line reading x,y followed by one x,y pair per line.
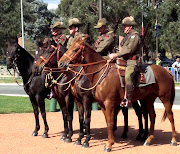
x,y
74,27
130,52
58,37
105,41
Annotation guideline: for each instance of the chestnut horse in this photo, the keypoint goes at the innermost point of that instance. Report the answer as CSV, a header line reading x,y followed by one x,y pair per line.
x,y
109,92
84,97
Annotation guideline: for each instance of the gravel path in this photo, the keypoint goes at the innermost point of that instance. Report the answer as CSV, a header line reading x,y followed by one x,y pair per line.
x,y
16,130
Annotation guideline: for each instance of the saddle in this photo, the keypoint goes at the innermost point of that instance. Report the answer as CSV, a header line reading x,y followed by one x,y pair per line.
x,y
140,78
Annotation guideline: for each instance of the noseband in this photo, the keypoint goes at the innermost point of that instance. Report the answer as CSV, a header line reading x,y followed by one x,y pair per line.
x,y
81,48
57,50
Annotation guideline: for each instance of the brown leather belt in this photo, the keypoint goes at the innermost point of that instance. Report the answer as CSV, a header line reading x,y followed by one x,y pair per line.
x,y
133,57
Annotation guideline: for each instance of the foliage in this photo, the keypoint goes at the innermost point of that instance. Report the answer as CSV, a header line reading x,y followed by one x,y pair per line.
x,y
37,19
40,27
169,18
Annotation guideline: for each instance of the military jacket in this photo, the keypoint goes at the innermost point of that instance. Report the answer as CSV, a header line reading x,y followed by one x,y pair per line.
x,y
73,38
131,45
104,44
61,39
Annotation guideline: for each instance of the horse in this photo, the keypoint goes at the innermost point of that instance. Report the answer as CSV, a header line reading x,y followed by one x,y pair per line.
x,y
62,93
109,92
84,98
33,81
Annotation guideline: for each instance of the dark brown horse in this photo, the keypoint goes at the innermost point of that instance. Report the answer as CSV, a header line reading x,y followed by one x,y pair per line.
x,y
109,92
84,98
19,58
62,93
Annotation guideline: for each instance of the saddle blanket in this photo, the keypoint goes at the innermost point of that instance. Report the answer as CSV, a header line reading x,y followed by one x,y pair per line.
x,y
149,75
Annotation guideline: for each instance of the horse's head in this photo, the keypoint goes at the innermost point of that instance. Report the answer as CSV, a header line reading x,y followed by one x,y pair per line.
x,y
74,54
13,52
48,53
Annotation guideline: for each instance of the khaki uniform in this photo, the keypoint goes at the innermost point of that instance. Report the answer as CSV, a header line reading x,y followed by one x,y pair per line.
x,y
73,38
104,44
130,49
61,39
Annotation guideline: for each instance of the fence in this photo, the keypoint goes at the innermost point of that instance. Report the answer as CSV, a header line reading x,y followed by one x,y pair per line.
x,y
4,74
175,72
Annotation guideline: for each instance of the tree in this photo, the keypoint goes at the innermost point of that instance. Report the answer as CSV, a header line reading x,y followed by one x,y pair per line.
x,y
42,18
169,34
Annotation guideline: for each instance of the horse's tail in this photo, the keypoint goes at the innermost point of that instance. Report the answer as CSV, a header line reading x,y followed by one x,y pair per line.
x,y
171,101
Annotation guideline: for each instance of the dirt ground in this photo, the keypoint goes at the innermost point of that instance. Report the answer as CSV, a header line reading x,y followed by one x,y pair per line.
x,y
16,130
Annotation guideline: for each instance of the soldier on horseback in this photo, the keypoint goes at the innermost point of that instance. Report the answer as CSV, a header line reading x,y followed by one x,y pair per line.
x,y
105,41
130,52
74,25
58,37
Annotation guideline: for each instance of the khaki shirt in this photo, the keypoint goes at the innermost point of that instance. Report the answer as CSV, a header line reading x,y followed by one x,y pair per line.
x,y
61,39
73,38
131,46
104,44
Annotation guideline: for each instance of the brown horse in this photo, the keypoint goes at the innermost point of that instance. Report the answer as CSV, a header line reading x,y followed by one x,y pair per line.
x,y
109,92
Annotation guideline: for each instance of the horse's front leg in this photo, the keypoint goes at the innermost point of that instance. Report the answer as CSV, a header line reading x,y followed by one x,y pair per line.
x,y
66,129
43,114
109,114
87,106
70,104
81,123
36,115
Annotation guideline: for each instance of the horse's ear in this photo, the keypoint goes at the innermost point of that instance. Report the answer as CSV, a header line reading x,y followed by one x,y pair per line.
x,y
39,42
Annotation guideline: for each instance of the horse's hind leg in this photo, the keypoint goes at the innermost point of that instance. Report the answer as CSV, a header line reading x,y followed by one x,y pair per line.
x,y
138,111
169,114
125,114
145,115
150,108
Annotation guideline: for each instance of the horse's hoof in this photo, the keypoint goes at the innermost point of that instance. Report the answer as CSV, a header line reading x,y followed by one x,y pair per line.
x,y
85,145
107,149
123,136
63,138
146,143
34,133
45,135
68,140
173,144
77,142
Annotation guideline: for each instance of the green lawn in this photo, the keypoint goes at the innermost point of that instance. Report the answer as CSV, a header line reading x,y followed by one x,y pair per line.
x,y
13,104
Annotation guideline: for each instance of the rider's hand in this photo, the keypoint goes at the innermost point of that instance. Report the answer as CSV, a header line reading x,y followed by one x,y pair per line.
x,y
113,56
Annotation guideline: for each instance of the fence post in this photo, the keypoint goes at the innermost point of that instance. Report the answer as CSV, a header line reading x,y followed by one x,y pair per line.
x,y
53,103
94,106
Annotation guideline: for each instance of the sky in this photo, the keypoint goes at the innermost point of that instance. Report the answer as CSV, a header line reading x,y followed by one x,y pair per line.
x,y
52,4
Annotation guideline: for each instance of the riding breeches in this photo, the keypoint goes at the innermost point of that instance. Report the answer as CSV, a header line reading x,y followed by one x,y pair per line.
x,y
129,74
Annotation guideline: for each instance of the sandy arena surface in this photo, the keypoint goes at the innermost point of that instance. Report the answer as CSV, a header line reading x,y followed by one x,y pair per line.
x,y
16,130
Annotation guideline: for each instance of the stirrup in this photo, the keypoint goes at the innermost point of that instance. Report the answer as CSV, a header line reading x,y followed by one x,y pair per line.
x,y
124,103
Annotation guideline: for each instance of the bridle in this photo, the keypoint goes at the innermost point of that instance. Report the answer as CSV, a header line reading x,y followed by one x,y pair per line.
x,y
81,48
46,61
